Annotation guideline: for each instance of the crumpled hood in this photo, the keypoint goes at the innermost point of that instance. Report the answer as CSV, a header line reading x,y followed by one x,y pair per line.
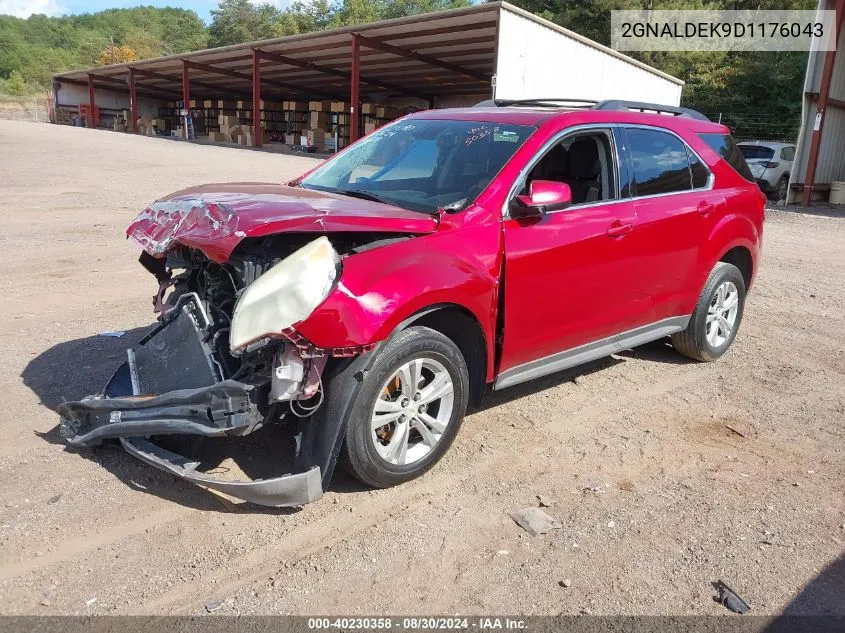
x,y
215,218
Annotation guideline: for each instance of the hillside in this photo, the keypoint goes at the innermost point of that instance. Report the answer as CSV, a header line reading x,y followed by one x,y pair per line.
x,y
32,50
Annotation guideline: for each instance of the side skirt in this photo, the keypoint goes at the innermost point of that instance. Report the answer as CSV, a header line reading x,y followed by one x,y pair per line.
x,y
590,351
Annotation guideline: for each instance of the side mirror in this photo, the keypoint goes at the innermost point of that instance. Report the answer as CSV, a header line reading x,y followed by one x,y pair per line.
x,y
543,196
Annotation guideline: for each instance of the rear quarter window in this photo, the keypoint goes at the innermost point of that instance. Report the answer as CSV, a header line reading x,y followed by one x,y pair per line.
x,y
725,146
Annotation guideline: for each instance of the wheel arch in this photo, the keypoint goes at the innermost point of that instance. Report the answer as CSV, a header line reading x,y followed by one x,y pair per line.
x,y
463,328
740,256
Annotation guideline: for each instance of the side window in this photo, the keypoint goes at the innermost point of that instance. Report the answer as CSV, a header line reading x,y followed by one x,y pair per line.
x,y
725,146
659,161
584,162
700,173
788,153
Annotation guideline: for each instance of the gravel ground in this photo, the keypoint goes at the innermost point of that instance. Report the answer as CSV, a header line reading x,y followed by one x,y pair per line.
x,y
668,474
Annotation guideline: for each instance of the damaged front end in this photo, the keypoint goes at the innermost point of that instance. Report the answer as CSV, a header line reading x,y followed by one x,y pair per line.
x,y
225,358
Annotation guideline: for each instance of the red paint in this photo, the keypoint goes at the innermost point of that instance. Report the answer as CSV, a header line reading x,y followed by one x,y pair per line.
x,y
264,209
567,278
256,98
92,106
133,101
186,88
354,82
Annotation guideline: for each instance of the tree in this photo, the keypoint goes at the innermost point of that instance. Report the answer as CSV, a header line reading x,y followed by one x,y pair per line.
x,y
117,55
237,21
16,84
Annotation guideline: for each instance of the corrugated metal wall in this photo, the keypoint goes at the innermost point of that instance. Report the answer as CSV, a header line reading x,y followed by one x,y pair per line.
x,y
535,60
73,95
831,161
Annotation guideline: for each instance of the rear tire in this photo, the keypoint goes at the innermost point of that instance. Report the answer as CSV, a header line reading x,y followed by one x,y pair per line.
x,y
782,188
410,407
717,316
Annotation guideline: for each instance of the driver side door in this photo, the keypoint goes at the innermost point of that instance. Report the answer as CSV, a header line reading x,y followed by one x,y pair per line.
x,y
569,273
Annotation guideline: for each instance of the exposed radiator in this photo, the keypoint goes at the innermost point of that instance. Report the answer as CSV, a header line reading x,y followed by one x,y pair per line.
x,y
173,357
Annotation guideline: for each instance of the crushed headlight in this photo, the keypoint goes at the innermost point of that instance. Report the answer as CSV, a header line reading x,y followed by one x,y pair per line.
x,y
285,294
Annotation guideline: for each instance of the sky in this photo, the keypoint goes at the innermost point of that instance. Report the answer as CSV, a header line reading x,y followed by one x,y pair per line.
x,y
25,8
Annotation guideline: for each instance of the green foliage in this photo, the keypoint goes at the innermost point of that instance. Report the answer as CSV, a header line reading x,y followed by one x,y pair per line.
x,y
38,47
757,94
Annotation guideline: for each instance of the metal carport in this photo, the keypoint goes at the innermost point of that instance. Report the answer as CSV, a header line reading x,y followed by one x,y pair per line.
x,y
433,59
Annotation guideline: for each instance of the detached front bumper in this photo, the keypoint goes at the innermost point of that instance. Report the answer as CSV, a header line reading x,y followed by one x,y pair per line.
x,y
224,408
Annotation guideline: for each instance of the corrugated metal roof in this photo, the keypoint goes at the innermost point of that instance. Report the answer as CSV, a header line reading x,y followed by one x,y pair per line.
x,y
318,64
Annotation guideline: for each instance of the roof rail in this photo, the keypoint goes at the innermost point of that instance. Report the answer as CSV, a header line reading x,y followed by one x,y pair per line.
x,y
554,102
650,107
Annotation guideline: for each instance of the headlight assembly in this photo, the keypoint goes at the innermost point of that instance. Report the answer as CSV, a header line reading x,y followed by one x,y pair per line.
x,y
285,294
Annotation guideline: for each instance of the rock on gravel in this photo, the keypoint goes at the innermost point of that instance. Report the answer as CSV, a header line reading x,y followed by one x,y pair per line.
x,y
535,521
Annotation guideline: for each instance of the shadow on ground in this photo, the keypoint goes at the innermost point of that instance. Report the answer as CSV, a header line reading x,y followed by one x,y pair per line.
x,y
819,607
75,369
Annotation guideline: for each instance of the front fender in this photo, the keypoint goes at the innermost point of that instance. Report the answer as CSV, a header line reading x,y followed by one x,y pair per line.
x,y
381,288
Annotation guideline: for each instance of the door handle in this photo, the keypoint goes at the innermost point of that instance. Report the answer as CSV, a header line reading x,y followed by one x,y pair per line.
x,y
619,228
706,208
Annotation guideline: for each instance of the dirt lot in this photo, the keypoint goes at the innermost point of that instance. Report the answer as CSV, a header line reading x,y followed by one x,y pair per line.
x,y
657,496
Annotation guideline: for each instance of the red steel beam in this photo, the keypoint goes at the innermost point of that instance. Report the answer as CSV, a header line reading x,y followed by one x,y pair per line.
x,y
256,98
91,101
353,88
821,105
299,63
133,101
420,57
186,85
216,90
243,76
186,93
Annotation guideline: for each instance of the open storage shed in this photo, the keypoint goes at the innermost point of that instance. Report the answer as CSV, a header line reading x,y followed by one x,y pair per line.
x,y
346,81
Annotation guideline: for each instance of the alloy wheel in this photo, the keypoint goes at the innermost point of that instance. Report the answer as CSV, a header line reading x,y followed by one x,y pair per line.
x,y
721,315
412,411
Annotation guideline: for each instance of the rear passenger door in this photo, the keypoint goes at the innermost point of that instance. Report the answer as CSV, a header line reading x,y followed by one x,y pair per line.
x,y
676,210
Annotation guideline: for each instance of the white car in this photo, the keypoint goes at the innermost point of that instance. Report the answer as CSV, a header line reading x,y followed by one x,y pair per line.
x,y
771,164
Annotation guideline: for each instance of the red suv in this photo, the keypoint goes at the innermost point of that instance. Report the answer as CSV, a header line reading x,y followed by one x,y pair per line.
x,y
368,303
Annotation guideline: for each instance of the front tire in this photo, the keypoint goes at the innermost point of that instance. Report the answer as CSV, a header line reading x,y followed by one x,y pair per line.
x,y
718,313
411,405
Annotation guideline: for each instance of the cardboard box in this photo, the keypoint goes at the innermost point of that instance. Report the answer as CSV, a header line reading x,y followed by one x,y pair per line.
x,y
228,121
291,138
340,106
320,106
317,119
315,137
368,108
218,137
370,127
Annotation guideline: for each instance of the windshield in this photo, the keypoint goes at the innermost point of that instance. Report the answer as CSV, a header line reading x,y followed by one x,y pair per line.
x,y
420,164
753,152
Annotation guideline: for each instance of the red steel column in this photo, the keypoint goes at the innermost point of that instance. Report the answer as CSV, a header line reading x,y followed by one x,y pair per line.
x,y
186,91
353,92
91,101
133,102
256,98
821,106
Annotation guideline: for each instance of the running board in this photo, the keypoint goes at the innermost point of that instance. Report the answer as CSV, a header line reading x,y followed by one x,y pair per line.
x,y
589,352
